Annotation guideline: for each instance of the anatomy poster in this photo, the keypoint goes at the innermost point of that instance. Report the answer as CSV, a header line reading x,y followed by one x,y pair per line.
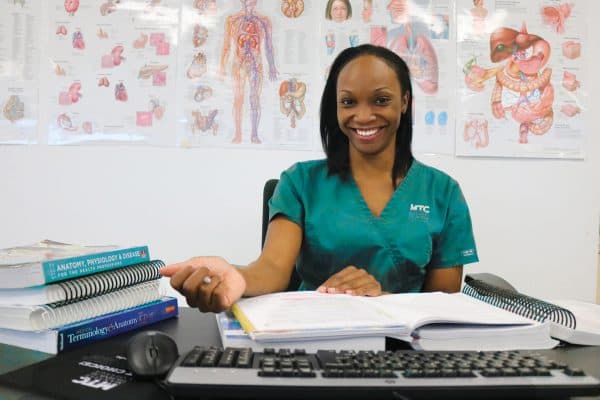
x,y
19,61
419,32
112,75
247,75
521,78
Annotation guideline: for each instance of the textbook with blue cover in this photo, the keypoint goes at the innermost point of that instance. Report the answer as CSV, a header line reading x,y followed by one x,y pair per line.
x,y
91,330
49,261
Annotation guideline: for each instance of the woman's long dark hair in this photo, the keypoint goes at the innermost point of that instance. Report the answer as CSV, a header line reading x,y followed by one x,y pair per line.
x,y
335,143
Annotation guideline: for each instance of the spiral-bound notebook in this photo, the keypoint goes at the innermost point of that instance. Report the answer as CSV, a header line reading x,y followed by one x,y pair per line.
x,y
40,317
82,288
571,321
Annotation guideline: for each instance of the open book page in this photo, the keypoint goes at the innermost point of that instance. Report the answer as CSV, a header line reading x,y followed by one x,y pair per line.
x,y
312,313
587,316
420,309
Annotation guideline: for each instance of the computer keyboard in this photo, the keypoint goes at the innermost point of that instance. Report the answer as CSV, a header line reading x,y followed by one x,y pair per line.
x,y
210,372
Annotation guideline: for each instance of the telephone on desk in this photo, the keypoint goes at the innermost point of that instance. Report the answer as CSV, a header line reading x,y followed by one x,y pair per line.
x,y
492,280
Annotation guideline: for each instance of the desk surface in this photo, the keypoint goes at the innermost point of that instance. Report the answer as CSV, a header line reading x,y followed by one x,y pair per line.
x,y
195,328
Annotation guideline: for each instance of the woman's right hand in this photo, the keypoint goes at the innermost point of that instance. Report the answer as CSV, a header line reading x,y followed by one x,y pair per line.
x,y
226,285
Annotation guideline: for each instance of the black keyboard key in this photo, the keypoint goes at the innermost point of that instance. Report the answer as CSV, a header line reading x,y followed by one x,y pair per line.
x,y
574,371
352,373
306,372
227,358
449,373
509,372
542,372
192,358
268,372
333,373
244,359
284,353
413,373
465,373
491,372
210,358
525,371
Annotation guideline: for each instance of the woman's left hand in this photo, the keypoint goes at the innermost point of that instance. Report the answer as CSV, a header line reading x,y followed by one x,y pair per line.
x,y
353,281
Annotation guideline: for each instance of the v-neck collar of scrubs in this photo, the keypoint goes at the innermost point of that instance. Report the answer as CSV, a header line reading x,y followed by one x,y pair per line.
x,y
401,188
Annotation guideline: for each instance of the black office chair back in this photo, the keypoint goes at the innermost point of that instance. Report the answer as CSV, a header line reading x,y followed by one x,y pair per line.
x,y
267,194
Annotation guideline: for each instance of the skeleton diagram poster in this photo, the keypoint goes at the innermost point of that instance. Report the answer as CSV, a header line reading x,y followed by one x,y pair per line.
x,y
19,58
521,78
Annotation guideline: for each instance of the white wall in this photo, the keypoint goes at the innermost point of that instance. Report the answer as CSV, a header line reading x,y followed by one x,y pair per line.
x,y
536,221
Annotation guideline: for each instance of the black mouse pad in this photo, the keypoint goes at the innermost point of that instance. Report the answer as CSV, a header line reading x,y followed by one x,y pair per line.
x,y
98,371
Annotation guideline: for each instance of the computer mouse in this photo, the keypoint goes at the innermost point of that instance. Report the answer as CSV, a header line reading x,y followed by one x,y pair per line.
x,y
150,354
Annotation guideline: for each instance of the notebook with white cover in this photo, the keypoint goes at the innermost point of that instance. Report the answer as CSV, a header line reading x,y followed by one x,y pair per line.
x,y
572,321
40,317
83,287
587,317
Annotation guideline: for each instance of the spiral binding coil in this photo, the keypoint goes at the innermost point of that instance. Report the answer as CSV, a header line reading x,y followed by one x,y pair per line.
x,y
49,316
523,305
105,282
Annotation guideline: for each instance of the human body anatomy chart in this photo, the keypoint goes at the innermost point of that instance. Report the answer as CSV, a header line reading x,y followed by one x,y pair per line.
x,y
250,73
419,32
520,69
112,71
246,77
19,59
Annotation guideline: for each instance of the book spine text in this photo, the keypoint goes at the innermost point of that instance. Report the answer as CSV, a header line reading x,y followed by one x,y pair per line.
x,y
72,267
106,326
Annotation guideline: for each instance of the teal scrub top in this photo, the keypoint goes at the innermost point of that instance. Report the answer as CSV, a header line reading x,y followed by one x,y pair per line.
x,y
426,224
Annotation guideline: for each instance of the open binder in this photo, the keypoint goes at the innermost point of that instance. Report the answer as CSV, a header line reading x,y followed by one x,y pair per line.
x,y
480,287
572,324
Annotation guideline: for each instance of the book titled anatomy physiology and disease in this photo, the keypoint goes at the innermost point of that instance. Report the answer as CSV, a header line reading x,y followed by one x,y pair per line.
x,y
49,261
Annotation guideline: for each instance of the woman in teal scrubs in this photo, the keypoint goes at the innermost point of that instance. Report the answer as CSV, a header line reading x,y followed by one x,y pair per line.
x,y
367,220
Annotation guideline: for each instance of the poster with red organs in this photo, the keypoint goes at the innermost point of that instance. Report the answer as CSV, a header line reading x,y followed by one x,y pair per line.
x,y
248,75
111,71
420,32
521,78
19,78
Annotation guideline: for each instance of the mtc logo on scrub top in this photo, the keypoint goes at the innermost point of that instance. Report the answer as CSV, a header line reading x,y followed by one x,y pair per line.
x,y
418,212
419,207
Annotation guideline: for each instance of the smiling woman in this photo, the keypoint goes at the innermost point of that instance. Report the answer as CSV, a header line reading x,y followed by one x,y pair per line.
x,y
367,220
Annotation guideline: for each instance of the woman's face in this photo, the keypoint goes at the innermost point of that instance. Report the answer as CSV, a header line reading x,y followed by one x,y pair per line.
x,y
339,11
370,105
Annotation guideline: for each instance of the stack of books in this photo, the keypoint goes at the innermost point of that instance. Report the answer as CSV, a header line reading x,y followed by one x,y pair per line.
x,y
56,296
